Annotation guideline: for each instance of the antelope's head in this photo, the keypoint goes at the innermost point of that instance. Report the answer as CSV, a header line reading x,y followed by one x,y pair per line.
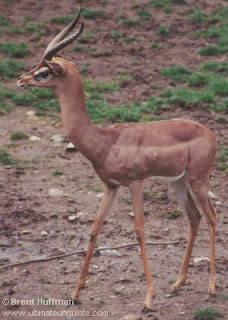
x,y
51,68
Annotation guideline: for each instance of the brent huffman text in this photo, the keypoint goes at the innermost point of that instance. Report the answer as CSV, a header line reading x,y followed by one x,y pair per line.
x,y
41,302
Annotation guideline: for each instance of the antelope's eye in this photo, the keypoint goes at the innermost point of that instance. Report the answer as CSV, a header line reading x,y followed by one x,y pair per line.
x,y
42,73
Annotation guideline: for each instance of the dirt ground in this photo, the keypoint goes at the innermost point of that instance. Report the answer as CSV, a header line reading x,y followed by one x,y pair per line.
x,y
35,224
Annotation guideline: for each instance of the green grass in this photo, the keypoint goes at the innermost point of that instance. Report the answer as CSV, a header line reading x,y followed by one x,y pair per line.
x,y
43,99
115,34
62,19
33,26
196,16
18,135
14,49
223,158
187,98
129,22
145,14
4,21
91,14
57,172
10,68
5,108
176,72
198,79
163,31
210,50
207,313
5,158
172,215
218,33
157,45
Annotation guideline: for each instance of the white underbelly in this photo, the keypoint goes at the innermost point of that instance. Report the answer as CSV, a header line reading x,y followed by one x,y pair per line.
x,y
167,179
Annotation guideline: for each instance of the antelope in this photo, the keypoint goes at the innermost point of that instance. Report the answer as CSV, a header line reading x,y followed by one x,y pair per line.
x,y
177,151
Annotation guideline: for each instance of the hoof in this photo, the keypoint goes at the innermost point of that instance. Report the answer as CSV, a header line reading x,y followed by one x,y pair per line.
x,y
212,294
146,309
76,301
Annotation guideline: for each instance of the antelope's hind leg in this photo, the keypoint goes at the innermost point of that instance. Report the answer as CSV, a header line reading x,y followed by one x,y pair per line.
x,y
191,208
136,189
195,201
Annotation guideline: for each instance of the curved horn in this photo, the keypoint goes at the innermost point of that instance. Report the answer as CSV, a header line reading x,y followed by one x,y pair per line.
x,y
63,44
60,36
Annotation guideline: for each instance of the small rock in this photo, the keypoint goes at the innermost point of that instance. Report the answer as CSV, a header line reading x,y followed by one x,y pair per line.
x,y
131,214
26,231
72,218
34,138
111,252
44,233
99,195
200,259
57,138
55,192
129,317
212,195
120,290
70,147
71,210
32,115
81,215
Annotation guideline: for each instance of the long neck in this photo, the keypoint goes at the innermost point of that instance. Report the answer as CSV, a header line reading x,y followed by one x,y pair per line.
x,y
87,138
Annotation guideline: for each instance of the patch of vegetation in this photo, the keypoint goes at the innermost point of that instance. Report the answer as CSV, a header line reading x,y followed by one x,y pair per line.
x,y
149,194
116,34
5,108
5,158
218,32
207,313
23,99
91,14
4,21
163,31
157,45
57,172
79,48
187,98
43,99
126,199
14,49
9,68
223,158
197,16
100,87
166,5
84,68
128,22
172,215
210,50
33,26
62,19
144,14
198,79
176,72
18,135
221,106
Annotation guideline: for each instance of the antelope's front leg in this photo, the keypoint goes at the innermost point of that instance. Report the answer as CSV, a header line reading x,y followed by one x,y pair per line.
x,y
136,189
106,204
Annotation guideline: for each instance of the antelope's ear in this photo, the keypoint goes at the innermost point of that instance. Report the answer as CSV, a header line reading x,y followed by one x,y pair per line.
x,y
56,68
